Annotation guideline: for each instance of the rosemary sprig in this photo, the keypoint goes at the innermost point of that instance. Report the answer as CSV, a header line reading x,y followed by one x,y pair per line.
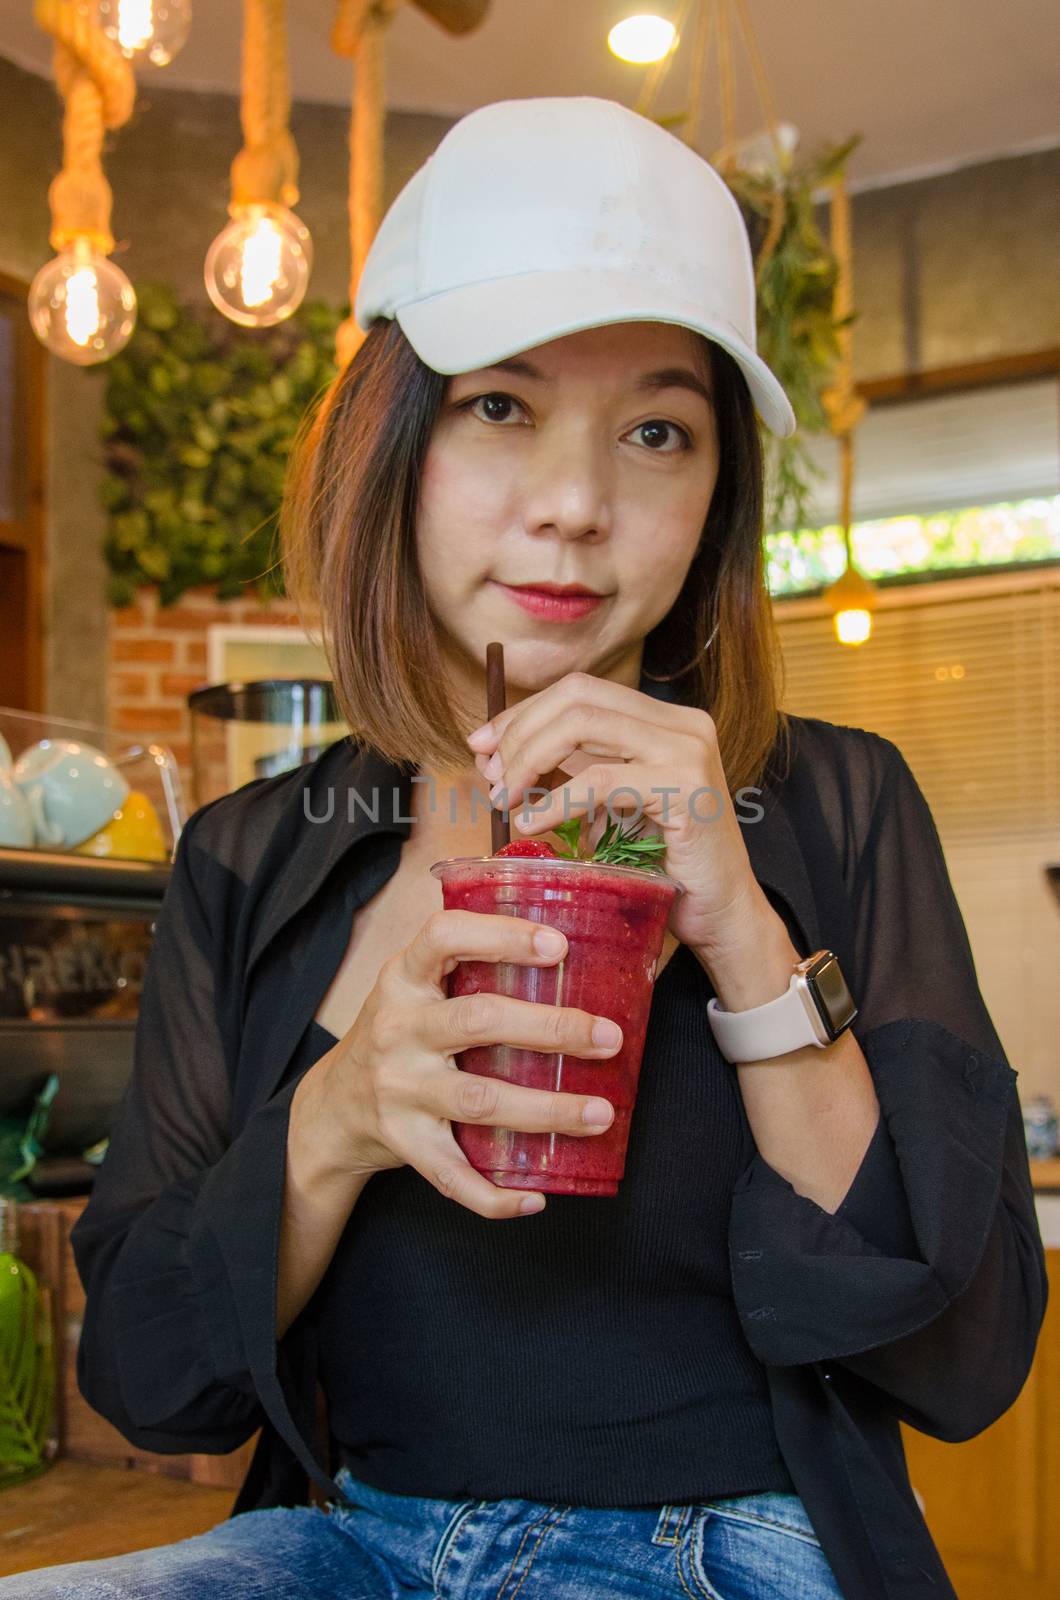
x,y
616,847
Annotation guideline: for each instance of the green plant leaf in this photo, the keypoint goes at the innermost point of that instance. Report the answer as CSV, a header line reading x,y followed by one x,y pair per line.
x,y
155,561
570,833
156,306
199,419
120,591
112,491
618,846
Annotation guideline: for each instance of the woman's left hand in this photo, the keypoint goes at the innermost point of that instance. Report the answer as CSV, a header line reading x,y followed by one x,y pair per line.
x,y
664,758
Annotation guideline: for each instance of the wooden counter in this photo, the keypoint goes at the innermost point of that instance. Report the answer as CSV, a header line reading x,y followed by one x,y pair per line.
x,y
991,1502
1045,1175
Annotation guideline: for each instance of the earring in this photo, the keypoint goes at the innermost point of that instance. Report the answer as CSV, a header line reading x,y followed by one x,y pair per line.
x,y
669,676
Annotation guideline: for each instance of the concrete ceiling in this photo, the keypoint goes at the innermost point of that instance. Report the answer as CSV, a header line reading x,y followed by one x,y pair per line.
x,y
929,86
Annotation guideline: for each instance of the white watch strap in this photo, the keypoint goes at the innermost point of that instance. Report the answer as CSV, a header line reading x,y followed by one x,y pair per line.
x,y
774,1029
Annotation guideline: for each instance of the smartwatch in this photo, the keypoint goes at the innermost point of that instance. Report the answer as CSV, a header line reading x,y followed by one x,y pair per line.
x,y
815,1009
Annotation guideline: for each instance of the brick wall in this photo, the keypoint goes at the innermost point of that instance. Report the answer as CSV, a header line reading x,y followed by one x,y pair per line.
x,y
157,655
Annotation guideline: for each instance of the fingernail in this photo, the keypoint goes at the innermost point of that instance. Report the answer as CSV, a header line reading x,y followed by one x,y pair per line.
x,y
532,1203
481,735
547,942
597,1113
494,766
605,1032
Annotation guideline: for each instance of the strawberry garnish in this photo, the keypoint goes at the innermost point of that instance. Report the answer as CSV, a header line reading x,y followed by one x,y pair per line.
x,y
527,847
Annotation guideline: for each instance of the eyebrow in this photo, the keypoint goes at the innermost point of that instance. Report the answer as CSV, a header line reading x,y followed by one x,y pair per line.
x,y
650,382
675,378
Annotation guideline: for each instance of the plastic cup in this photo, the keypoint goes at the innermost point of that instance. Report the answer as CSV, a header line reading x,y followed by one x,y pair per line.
x,y
614,919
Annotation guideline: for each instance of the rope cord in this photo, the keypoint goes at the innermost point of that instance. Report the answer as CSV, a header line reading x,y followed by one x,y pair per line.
x,y
700,57
265,172
711,14
99,91
658,69
719,15
758,71
359,32
844,407
726,82
775,225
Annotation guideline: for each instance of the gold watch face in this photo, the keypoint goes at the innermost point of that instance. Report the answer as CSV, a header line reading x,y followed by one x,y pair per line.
x,y
831,996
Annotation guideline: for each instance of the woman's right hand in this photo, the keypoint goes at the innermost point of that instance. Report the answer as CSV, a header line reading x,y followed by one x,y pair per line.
x,y
391,1087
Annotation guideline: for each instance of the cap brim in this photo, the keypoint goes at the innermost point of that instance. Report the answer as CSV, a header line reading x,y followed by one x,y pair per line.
x,y
478,324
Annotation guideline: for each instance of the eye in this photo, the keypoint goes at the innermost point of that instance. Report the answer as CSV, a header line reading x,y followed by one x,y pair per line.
x,y
664,438
494,407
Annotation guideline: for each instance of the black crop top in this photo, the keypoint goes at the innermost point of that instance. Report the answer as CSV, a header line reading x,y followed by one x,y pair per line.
x,y
590,1354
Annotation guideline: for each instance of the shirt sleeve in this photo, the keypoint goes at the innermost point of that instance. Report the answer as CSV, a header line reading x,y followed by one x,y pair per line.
x,y
928,1282
178,1237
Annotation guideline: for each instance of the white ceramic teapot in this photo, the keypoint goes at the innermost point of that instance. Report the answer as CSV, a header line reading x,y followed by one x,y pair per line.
x,y
71,788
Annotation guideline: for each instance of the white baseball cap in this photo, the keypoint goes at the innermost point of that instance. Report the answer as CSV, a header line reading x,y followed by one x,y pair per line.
x,y
538,218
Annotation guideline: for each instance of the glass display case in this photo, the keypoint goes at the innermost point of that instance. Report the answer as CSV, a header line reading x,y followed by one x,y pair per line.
x,y
76,788
89,821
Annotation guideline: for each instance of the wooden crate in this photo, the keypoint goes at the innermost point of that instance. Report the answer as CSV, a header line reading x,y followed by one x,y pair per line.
x,y
83,1435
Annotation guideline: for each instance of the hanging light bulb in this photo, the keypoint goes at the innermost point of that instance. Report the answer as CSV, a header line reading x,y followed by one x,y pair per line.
x,y
642,39
147,31
852,600
258,266
82,306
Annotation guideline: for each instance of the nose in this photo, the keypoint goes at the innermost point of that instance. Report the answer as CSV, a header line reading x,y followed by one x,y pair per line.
x,y
567,488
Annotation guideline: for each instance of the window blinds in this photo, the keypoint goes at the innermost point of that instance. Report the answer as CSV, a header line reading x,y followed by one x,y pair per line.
x,y
981,447
968,688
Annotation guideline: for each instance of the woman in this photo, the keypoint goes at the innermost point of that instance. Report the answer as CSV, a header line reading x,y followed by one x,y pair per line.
x,y
695,1387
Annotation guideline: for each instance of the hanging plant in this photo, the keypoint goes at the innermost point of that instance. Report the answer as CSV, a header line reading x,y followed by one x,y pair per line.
x,y
199,418
797,328
795,268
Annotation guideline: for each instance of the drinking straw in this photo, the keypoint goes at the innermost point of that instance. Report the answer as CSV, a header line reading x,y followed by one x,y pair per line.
x,y
495,703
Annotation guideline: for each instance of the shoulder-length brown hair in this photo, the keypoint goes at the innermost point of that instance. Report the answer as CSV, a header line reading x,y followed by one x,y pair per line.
x,y
347,529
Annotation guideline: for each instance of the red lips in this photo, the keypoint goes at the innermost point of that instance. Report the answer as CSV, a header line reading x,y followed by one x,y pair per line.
x,y
553,602
556,588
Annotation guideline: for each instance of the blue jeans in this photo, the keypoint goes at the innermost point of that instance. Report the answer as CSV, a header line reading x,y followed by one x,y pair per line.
x,y
400,1547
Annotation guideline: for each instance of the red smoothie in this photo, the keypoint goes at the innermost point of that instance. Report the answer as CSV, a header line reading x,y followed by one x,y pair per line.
x,y
614,919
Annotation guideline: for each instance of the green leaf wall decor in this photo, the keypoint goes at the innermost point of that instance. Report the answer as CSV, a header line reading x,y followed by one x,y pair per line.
x,y
199,418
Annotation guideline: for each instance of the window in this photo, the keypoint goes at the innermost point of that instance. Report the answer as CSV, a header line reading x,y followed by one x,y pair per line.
x,y
956,482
